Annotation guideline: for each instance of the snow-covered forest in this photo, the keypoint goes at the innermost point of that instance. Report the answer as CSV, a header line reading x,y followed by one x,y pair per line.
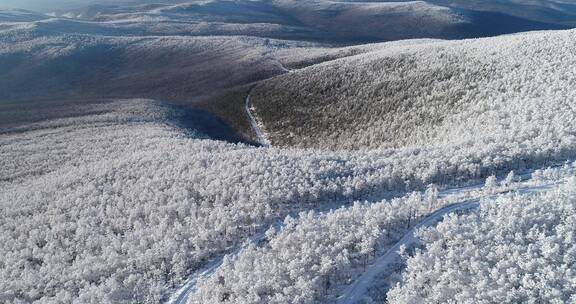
x,y
316,255
314,258
125,193
515,249
161,156
126,204
419,93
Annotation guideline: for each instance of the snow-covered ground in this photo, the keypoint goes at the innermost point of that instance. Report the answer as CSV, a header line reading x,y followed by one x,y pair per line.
x,y
129,200
121,195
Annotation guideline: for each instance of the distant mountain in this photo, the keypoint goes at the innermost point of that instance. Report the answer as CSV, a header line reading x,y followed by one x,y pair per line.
x,y
546,11
45,62
20,15
343,22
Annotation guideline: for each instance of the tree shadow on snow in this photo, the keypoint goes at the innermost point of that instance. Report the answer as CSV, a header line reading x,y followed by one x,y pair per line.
x,y
208,124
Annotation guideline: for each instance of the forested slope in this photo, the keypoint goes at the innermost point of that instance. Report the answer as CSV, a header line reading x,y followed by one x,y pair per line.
x,y
76,59
110,193
519,248
509,89
117,202
60,64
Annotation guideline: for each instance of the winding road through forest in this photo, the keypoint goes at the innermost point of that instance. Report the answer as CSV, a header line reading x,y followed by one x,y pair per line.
x,y
182,294
360,287
260,137
355,292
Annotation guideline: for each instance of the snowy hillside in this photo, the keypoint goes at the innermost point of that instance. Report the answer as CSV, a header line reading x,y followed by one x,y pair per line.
x,y
236,152
121,203
509,90
125,203
343,22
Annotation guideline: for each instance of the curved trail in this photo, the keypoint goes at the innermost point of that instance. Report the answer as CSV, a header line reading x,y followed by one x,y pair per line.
x,y
355,292
182,294
260,137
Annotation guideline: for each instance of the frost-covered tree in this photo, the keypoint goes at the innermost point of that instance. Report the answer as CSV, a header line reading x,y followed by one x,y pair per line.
x,y
311,258
517,249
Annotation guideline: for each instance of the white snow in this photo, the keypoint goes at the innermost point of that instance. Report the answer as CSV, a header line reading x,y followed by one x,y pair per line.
x,y
116,202
295,250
